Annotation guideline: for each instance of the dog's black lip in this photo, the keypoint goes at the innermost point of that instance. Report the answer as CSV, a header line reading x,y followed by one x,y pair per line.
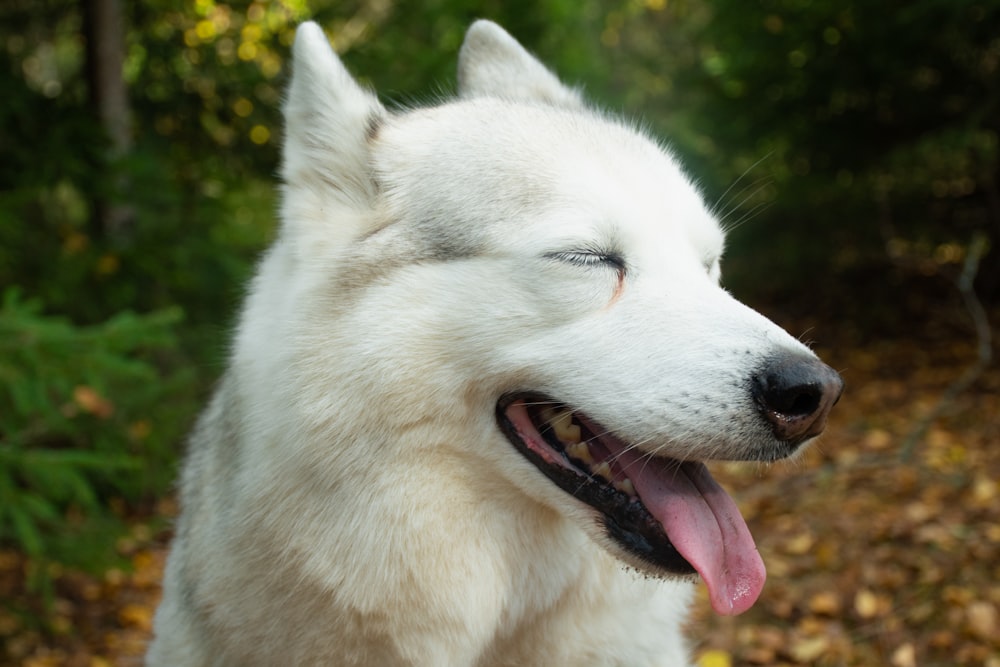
x,y
626,520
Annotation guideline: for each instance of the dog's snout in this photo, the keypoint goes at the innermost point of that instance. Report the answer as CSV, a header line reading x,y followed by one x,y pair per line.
x,y
795,394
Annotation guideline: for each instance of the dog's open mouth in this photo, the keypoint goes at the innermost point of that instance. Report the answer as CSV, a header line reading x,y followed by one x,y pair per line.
x,y
670,514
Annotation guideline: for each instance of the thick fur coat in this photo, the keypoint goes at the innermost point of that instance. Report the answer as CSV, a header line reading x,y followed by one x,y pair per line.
x,y
469,393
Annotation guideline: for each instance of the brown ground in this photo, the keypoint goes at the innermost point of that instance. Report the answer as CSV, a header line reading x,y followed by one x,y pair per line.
x,y
871,561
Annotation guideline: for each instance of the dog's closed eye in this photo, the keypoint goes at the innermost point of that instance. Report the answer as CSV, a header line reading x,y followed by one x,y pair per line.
x,y
590,257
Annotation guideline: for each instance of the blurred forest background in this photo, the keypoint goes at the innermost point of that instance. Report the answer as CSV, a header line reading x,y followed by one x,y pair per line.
x,y
851,146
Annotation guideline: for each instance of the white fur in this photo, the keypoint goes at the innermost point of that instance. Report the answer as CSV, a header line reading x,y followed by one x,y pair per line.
x,y
348,498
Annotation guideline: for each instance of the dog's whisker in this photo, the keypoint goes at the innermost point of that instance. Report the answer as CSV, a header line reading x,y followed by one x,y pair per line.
x,y
741,197
755,210
721,199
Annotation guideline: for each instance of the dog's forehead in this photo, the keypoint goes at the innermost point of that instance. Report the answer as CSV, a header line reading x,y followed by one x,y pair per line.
x,y
497,167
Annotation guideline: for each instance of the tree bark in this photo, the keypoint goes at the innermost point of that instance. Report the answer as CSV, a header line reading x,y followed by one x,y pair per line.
x,y
104,29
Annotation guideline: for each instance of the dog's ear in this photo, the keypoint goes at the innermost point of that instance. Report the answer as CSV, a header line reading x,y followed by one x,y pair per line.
x,y
329,122
493,64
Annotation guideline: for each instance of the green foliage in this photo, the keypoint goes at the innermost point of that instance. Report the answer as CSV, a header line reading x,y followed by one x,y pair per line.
x,y
408,54
195,221
95,399
864,127
87,413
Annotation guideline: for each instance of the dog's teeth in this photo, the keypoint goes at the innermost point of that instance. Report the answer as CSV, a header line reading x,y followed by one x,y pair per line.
x,y
580,452
565,429
625,486
602,469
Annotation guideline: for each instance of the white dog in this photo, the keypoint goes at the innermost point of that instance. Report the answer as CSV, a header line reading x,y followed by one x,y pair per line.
x,y
470,392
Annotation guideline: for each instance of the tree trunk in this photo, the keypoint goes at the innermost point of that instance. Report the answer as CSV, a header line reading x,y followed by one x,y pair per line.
x,y
104,29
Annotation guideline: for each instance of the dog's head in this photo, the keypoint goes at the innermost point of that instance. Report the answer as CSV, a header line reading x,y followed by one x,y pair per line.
x,y
546,277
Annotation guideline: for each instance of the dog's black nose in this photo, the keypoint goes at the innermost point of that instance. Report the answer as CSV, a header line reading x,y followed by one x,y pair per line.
x,y
795,393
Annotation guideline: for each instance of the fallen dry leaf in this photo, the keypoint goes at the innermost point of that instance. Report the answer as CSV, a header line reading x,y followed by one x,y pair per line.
x,y
904,656
809,649
715,658
866,604
983,620
825,603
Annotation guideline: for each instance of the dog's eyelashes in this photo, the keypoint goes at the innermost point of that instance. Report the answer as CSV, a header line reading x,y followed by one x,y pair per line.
x,y
587,257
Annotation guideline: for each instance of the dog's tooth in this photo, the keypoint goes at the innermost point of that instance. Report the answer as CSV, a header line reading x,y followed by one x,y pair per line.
x,y
602,469
565,429
625,486
580,452
571,433
560,418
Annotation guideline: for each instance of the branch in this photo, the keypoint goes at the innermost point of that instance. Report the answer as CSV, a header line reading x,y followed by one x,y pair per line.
x,y
984,350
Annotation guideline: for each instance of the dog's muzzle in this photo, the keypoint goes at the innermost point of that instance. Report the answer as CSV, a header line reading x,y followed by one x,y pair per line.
x,y
669,514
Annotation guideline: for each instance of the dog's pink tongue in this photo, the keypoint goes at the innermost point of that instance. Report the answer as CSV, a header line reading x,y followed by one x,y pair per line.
x,y
704,524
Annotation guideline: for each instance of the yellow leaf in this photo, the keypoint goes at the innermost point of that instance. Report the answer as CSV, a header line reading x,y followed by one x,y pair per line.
x,y
809,650
878,438
904,656
800,544
826,603
259,134
866,603
715,658
137,616
984,490
982,620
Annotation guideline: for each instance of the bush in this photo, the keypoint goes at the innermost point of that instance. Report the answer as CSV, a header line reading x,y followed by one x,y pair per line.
x,y
87,415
